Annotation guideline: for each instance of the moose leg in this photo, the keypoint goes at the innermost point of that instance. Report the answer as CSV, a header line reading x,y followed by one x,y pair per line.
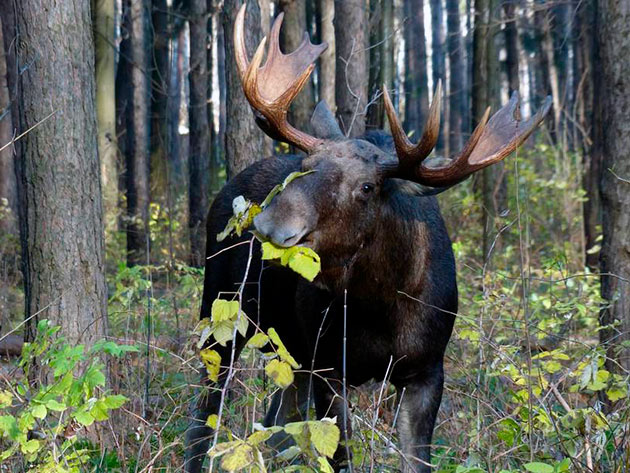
x,y
288,405
416,419
330,403
198,434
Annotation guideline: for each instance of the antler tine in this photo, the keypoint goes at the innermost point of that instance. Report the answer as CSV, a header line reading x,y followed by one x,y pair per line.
x,y
492,140
410,155
270,89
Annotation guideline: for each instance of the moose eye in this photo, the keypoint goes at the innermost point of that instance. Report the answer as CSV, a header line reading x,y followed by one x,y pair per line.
x,y
367,187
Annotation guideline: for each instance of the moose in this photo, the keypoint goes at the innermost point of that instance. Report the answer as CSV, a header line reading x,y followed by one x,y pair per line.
x,y
385,300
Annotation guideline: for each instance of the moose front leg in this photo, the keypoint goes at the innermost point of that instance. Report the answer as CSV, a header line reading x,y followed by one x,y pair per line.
x,y
329,402
416,419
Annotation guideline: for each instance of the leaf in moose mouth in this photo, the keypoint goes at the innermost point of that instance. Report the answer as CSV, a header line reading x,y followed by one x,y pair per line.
x,y
300,259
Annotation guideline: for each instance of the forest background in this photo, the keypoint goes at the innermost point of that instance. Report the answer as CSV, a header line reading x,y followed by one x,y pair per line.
x,y
120,120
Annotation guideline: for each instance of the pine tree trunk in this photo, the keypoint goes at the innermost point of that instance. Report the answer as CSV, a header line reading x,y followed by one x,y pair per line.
x,y
511,46
138,136
325,14
291,36
416,79
438,57
8,188
198,162
106,109
351,84
456,78
614,44
243,140
64,266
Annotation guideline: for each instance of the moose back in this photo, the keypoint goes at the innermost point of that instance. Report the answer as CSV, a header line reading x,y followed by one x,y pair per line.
x,y
385,300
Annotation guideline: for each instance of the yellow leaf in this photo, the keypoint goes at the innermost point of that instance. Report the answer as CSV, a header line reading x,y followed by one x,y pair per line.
x,y
271,251
258,341
212,421
238,458
280,372
283,353
259,437
325,436
224,310
324,466
212,360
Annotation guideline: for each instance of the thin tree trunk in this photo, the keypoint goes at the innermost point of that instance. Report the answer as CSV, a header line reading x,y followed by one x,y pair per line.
x,y
243,140
291,36
416,78
351,84
60,170
614,43
106,109
8,188
381,58
199,131
456,78
138,137
437,56
325,14
511,45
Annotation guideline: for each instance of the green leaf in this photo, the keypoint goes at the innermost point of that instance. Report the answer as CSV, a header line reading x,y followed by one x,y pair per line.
x,y
538,467
280,187
6,398
324,466
258,341
283,353
325,436
53,405
280,372
223,332
9,427
224,310
31,446
271,251
39,411
238,458
84,418
212,421
212,360
114,401
616,393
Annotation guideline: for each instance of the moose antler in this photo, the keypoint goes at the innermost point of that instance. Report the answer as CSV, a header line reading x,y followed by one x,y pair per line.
x,y
270,89
491,141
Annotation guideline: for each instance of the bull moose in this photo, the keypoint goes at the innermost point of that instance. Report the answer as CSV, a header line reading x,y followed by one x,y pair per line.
x,y
386,297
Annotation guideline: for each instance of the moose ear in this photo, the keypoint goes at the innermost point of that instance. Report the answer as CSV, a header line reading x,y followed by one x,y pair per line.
x,y
323,123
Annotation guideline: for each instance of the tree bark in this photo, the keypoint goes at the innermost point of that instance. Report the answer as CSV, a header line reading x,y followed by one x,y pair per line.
x,y
243,140
8,188
438,57
60,170
198,162
511,45
416,78
138,135
456,78
325,15
614,45
106,109
381,69
351,84
291,36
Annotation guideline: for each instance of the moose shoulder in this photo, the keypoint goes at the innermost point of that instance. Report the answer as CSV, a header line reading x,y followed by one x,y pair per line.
x,y
386,295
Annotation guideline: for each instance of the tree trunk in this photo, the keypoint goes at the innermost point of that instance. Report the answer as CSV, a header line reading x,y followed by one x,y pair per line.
x,y
381,69
243,140
60,170
198,162
138,136
325,15
8,189
438,57
106,109
614,44
351,81
511,46
416,79
456,78
291,36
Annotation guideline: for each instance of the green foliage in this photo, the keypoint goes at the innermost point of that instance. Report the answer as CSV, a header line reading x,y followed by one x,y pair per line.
x,y
38,420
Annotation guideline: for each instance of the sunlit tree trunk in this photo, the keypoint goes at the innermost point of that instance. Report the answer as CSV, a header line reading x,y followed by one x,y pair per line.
x,y
614,43
291,35
243,140
199,159
325,15
456,78
351,84
59,170
416,79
